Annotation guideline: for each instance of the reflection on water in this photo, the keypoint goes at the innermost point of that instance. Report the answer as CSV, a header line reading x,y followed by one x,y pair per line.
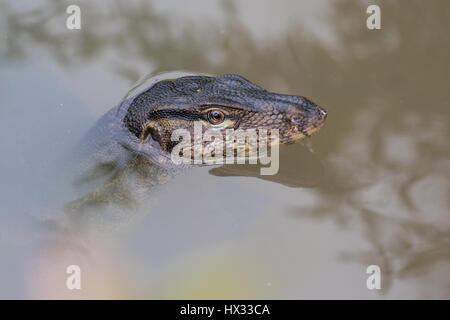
x,y
374,191
302,170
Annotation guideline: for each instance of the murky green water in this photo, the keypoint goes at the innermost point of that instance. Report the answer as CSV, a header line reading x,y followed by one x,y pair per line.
x,y
372,187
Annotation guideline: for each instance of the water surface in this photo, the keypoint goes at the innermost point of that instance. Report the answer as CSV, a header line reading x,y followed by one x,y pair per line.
x,y
372,187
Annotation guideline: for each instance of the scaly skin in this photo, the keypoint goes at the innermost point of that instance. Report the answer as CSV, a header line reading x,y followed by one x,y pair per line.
x,y
129,147
176,104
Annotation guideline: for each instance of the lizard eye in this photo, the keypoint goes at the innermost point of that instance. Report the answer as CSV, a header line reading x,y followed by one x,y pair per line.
x,y
216,116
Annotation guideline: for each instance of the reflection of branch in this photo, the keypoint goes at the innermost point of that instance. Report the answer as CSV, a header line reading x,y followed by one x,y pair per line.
x,y
432,244
401,247
373,231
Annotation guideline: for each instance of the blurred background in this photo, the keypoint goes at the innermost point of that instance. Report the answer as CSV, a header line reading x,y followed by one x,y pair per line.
x,y
372,187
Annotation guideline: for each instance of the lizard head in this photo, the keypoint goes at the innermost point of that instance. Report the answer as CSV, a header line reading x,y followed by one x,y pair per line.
x,y
219,104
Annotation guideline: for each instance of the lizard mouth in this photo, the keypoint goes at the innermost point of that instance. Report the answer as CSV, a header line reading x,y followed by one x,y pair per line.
x,y
317,123
308,125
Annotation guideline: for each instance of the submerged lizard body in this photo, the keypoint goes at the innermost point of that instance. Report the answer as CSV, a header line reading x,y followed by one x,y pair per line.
x,y
134,138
